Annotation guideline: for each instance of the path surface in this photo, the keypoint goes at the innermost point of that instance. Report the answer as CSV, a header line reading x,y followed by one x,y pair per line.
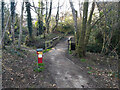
x,y
63,70
0,69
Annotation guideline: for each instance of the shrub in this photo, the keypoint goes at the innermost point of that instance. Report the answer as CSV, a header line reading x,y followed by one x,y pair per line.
x,y
95,48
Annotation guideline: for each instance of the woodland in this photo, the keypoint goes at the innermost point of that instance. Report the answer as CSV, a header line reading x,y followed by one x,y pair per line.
x,y
94,27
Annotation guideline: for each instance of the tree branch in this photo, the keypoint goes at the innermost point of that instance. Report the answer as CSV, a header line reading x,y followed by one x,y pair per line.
x,y
6,26
99,19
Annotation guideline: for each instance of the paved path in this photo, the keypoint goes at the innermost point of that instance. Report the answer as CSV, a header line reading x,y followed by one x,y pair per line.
x,y
0,69
63,70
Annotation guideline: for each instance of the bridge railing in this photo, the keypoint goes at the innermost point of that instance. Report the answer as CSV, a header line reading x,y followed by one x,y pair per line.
x,y
52,42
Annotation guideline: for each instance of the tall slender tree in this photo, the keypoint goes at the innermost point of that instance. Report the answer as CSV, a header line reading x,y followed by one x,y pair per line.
x,y
2,4
89,24
39,20
48,15
40,16
81,41
2,15
56,18
74,13
80,9
20,32
12,20
29,19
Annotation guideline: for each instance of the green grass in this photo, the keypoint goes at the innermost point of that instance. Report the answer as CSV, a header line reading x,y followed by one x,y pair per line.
x,y
41,64
83,60
34,54
89,72
90,68
44,51
70,52
39,69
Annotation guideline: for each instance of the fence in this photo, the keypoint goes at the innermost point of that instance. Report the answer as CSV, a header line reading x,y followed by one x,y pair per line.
x,y
51,43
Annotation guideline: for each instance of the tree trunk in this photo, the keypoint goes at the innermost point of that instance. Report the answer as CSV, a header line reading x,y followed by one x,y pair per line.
x,y
81,46
74,13
39,29
12,21
49,15
57,18
80,9
89,24
46,17
2,7
20,33
2,16
7,23
40,17
29,19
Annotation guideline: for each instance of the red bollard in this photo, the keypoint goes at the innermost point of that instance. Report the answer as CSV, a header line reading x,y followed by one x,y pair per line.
x,y
40,55
40,63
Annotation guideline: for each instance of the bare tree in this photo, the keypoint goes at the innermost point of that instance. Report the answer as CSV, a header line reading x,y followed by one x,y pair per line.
x,y
2,15
47,19
40,16
89,24
21,20
29,19
80,9
12,20
81,41
56,18
2,7
74,13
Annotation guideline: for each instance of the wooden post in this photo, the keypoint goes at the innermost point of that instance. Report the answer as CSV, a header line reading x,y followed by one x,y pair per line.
x,y
70,45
